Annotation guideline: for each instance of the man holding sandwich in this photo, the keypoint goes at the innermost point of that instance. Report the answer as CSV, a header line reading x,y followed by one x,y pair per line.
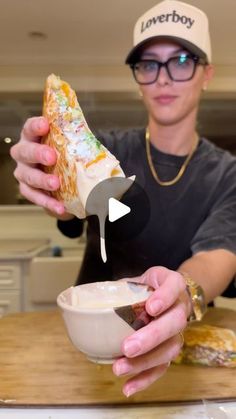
x,y
187,251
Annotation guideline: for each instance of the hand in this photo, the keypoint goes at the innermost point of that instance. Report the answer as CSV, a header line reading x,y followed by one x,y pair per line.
x,y
29,154
149,351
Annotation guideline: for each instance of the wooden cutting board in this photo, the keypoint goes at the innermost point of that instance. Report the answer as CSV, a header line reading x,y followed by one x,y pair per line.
x,y
40,367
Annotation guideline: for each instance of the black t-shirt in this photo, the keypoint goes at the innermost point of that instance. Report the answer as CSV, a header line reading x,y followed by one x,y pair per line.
x,y
197,213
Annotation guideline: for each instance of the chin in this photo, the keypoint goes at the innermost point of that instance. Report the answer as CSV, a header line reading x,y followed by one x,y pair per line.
x,y
166,120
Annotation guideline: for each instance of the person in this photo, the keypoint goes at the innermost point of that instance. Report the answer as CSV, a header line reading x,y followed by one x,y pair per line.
x,y
188,244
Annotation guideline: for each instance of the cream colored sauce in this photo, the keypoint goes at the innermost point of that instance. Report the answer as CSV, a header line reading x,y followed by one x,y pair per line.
x,y
103,248
95,296
87,179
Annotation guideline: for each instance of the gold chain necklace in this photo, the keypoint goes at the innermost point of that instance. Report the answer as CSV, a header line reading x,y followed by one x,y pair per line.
x,y
182,169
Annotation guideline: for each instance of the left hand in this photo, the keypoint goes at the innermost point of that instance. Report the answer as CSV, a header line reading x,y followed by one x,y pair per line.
x,y
149,351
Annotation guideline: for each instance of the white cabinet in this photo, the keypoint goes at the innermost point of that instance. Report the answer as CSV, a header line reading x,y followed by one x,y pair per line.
x,y
31,281
9,302
10,288
9,276
15,257
49,276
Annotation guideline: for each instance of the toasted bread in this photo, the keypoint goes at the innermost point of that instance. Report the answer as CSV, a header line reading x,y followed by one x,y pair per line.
x,y
208,345
82,161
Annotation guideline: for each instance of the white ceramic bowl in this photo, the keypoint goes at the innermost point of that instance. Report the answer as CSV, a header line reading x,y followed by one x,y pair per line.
x,y
98,316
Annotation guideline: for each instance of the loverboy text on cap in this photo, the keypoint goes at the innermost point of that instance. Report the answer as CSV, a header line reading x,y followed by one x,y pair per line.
x,y
175,20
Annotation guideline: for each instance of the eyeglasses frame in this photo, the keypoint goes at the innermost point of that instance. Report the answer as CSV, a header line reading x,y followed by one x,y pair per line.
x,y
197,61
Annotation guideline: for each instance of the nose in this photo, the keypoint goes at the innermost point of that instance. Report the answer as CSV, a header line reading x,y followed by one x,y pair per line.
x,y
163,76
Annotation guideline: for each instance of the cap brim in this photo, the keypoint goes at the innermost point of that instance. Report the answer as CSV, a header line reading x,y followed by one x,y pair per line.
x,y
134,54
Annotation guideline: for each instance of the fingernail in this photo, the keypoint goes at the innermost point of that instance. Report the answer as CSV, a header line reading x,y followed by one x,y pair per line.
x,y
59,210
52,183
46,155
155,307
129,391
132,347
123,368
40,123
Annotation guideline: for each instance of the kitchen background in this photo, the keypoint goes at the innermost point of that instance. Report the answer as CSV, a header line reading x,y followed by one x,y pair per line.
x,y
85,42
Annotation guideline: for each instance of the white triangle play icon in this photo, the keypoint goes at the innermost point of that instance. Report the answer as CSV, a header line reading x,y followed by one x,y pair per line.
x,y
116,209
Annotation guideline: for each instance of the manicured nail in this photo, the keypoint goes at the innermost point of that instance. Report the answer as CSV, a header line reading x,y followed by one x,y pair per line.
x,y
132,347
156,307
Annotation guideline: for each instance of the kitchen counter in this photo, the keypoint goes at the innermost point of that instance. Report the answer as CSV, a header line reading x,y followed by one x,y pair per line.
x,y
227,411
40,368
18,249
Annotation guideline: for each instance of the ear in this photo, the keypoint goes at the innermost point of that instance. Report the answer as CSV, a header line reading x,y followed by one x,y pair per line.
x,y
208,75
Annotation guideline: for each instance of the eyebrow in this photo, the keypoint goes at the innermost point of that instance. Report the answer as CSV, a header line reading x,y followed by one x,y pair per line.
x,y
153,54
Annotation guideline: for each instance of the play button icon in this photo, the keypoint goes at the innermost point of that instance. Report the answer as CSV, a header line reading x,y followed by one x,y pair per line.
x,y
121,200
116,210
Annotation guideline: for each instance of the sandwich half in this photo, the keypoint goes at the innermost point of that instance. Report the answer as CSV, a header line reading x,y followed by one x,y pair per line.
x,y
82,161
208,345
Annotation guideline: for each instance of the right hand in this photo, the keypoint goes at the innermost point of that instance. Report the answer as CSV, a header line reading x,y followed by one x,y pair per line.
x,y
29,154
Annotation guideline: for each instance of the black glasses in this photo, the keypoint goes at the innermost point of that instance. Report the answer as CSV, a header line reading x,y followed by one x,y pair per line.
x,y
180,68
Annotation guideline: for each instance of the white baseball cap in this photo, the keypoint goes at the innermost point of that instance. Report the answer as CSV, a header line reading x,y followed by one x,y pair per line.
x,y
173,19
